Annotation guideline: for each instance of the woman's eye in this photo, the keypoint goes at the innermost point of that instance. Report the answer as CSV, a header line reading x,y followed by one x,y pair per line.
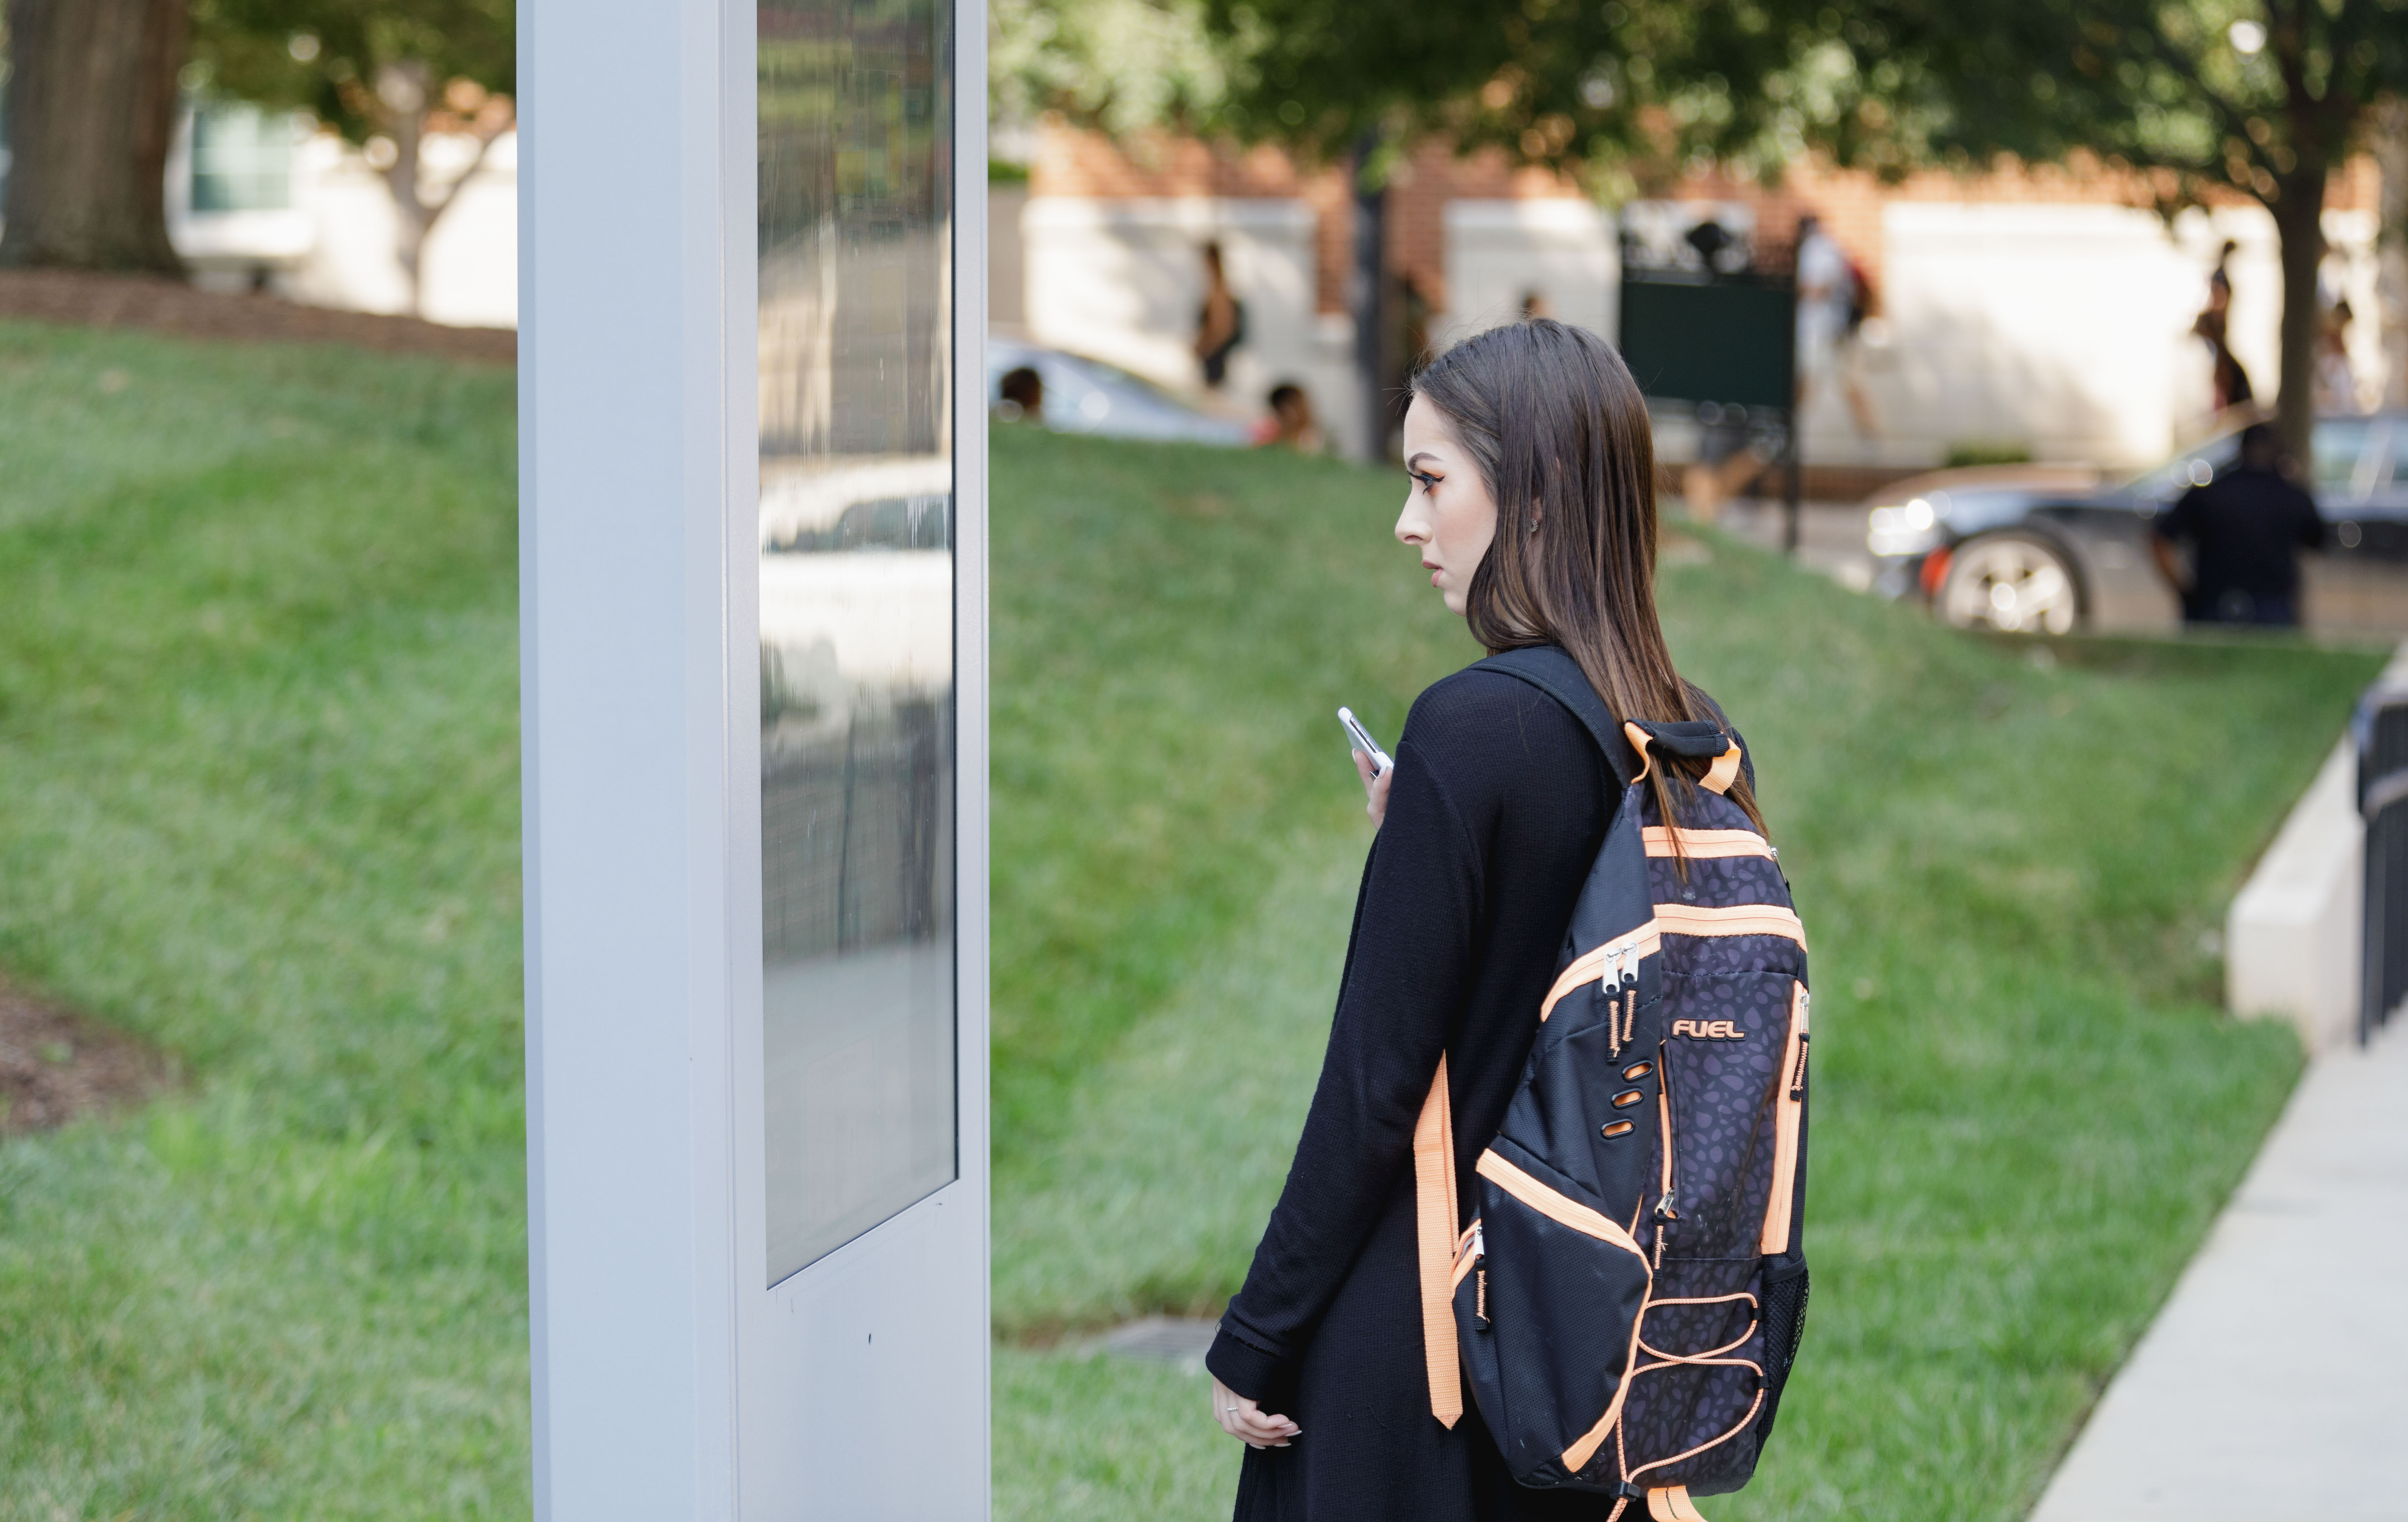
x,y
1427,483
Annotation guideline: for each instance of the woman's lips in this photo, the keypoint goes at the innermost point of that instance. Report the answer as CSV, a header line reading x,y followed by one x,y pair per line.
x,y
1435,572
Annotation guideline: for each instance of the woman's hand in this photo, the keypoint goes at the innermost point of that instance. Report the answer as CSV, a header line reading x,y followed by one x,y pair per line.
x,y
1374,788
1245,1421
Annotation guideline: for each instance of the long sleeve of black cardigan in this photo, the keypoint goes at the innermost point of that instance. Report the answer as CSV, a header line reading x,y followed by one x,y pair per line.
x,y
1408,963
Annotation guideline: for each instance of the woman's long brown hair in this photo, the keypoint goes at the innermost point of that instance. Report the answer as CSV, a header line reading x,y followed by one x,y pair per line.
x,y
1559,431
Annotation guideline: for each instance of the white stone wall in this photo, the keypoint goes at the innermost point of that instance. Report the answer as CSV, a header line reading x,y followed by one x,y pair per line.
x,y
336,245
1122,281
2066,328
1567,252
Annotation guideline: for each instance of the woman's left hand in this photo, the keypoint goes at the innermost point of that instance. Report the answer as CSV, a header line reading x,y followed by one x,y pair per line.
x,y
1375,789
1247,1422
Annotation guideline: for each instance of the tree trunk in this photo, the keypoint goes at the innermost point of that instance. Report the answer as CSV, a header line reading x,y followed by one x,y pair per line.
x,y
403,90
92,109
405,93
2299,208
1368,289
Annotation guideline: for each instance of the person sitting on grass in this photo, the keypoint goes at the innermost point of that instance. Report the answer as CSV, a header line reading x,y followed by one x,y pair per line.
x,y
1023,394
1291,424
2244,530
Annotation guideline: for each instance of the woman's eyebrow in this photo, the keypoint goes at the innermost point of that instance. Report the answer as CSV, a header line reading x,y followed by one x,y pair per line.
x,y
1418,456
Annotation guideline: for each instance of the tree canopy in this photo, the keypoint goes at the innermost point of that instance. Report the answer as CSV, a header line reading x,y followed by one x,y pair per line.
x,y
2261,97
1623,88
331,57
1123,65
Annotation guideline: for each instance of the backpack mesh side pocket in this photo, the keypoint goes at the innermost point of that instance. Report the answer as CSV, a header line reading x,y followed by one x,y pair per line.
x,y
1785,1328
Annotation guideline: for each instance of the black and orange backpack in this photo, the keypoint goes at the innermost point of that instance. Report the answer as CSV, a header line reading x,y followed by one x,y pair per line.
x,y
1629,1297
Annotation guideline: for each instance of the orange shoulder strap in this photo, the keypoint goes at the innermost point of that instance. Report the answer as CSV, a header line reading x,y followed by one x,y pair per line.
x,y
1434,1209
1671,1504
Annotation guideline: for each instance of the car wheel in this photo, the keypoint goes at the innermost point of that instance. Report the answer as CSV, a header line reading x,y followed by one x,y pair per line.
x,y
2011,584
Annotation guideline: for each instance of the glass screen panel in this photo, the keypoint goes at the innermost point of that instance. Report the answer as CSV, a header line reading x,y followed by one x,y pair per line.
x,y
856,614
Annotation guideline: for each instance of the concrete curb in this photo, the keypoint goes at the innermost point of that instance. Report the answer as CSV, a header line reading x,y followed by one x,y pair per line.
x,y
2267,1390
2291,938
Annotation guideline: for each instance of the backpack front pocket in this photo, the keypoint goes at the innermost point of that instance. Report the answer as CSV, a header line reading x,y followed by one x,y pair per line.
x,y
1699,1382
1561,1285
1729,1054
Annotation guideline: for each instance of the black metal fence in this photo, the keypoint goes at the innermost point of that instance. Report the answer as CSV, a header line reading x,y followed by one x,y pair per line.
x,y
2380,729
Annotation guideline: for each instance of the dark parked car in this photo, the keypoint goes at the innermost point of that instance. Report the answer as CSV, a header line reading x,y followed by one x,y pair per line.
x,y
2044,550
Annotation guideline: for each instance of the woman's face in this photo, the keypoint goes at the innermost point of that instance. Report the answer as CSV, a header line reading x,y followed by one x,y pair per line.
x,y
1449,515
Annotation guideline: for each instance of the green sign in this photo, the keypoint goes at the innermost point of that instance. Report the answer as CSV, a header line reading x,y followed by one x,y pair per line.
x,y
1732,339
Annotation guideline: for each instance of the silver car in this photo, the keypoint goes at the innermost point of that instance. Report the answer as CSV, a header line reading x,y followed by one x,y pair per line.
x,y
1086,396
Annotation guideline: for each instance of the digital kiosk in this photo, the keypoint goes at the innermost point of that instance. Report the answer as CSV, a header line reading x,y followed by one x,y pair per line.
x,y
754,626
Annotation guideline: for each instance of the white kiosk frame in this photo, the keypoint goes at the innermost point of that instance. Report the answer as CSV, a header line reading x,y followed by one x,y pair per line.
x,y
668,1382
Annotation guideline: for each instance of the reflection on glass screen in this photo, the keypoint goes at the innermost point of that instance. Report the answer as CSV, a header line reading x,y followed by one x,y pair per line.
x,y
856,614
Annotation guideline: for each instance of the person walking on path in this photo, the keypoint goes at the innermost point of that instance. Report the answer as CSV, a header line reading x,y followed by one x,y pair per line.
x,y
1833,300
2245,531
1532,507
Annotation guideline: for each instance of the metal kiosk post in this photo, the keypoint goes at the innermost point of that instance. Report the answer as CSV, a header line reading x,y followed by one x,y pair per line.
x,y
753,628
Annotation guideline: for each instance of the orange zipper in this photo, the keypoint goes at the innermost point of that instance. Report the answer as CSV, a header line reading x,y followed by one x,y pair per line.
x,y
1665,1207
1789,1115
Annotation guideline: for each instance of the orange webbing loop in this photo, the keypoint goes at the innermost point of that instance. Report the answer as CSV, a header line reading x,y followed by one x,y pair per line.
x,y
1724,772
1637,738
1671,1504
1434,1239
1718,777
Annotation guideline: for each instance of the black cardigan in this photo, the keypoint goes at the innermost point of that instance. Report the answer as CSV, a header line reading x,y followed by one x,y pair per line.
x,y
1499,804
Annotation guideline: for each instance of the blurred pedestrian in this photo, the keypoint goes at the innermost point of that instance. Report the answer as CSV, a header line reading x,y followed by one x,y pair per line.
x,y
1023,394
2245,531
1833,300
1532,504
2336,382
2228,383
1291,423
1220,322
1730,457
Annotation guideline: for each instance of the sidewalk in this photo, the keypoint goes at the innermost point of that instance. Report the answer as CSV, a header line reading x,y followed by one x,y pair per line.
x,y
2269,1387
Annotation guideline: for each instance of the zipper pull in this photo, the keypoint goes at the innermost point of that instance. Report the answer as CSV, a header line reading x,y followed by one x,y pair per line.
x,y
1664,1211
1478,1247
1805,1013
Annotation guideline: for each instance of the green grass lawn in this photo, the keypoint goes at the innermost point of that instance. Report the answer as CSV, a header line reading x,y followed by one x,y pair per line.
x,y
2028,1106
258,803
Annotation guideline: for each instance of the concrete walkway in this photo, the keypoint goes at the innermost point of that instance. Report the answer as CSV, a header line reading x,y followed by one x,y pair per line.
x,y
2270,1388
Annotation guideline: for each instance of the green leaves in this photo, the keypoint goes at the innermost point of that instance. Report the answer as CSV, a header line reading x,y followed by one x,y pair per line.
x,y
325,56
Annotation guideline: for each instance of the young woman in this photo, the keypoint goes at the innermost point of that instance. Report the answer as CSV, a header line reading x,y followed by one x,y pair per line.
x,y
1533,509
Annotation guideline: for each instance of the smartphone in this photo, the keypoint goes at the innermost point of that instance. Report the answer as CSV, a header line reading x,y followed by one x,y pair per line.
x,y
1363,742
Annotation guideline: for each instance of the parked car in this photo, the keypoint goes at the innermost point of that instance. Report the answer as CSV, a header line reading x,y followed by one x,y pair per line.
x,y
2044,550
1086,396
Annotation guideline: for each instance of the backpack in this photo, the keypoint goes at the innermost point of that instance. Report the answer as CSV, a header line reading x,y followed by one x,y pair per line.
x,y
1628,1300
